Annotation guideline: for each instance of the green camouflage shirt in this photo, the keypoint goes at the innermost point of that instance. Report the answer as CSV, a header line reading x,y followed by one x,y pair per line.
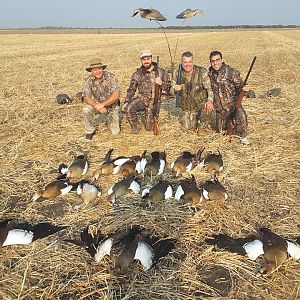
x,y
102,89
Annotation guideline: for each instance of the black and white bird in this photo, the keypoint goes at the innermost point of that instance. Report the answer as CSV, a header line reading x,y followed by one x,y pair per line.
x,y
213,190
161,191
121,187
273,247
15,233
189,13
63,99
128,166
53,190
188,192
213,163
156,165
186,162
149,13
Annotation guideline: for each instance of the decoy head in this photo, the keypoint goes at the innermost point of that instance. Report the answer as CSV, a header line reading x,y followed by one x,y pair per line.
x,y
136,11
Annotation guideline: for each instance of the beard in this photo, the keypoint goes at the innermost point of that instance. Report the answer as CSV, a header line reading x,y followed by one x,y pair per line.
x,y
147,65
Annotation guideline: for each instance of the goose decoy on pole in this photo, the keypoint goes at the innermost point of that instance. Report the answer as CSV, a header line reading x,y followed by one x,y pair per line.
x,y
213,190
149,13
161,191
146,249
189,13
53,190
121,187
213,163
273,247
13,232
186,162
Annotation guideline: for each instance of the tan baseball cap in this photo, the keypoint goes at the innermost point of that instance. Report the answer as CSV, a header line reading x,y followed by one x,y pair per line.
x,y
145,53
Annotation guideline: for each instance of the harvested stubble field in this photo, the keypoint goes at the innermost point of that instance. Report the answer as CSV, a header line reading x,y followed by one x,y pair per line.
x,y
37,135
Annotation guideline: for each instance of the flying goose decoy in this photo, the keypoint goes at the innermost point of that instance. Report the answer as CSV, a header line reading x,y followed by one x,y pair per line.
x,y
53,190
213,190
14,233
121,187
161,191
156,165
186,162
149,13
213,163
188,192
189,13
146,249
88,191
273,247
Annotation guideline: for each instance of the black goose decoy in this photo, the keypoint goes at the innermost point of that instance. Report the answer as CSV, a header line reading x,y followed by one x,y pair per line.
x,y
15,233
273,247
213,163
213,190
161,191
189,13
149,13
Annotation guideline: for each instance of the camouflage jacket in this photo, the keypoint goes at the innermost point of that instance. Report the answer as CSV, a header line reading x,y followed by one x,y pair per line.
x,y
100,90
143,81
196,89
225,84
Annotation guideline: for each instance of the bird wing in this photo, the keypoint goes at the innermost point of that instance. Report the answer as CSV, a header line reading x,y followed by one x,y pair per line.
x,y
179,193
145,193
293,250
144,253
121,161
135,187
169,192
104,248
254,249
182,15
68,187
138,167
162,164
18,237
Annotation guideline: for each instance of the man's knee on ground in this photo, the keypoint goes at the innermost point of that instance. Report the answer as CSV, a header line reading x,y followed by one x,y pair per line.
x,y
87,109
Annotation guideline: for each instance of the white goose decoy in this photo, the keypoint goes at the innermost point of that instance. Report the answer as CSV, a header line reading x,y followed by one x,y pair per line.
x,y
149,13
189,13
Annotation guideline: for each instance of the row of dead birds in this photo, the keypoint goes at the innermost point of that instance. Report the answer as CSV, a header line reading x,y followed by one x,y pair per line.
x,y
139,168
136,243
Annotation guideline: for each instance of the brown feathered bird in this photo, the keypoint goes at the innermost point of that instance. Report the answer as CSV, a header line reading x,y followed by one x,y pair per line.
x,y
149,13
189,13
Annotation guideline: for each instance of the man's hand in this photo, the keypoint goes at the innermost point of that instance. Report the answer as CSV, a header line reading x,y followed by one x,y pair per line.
x,y
177,88
100,108
158,81
209,106
246,88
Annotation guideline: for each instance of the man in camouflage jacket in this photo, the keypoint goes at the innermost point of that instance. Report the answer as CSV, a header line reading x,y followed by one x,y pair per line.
x,y
226,83
101,95
143,81
196,96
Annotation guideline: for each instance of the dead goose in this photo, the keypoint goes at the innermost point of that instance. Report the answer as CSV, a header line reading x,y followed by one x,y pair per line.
x,y
149,13
63,99
77,168
213,190
121,188
189,13
128,166
156,165
15,233
161,191
213,163
273,247
88,191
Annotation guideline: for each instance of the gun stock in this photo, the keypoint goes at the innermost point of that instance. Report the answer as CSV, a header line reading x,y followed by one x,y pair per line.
x,y
157,95
238,102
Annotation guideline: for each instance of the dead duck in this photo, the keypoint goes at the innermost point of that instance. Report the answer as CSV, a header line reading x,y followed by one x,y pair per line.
x,y
148,250
53,190
186,162
189,13
273,247
156,165
213,163
121,187
188,192
76,169
213,190
149,13
15,233
63,99
88,191
128,166
161,191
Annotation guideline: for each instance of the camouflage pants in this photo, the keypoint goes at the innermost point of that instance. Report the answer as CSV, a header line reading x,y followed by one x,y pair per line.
x,y
139,107
92,119
240,122
192,120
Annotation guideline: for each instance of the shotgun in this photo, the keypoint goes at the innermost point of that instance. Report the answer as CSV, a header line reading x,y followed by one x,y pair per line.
x,y
238,102
178,82
157,96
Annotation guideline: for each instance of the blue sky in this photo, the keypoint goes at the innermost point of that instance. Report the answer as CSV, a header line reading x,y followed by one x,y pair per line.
x,y
113,13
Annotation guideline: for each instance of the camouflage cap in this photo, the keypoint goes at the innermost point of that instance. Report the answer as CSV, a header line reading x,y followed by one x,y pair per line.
x,y
95,63
145,53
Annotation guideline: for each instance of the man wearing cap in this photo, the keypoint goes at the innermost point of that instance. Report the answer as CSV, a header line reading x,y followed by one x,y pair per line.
x,y
195,94
143,81
101,95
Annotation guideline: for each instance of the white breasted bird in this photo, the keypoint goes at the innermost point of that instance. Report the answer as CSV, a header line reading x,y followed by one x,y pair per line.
x,y
213,163
213,190
76,169
53,190
273,247
15,233
161,191
128,166
156,165
149,13
121,187
88,191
